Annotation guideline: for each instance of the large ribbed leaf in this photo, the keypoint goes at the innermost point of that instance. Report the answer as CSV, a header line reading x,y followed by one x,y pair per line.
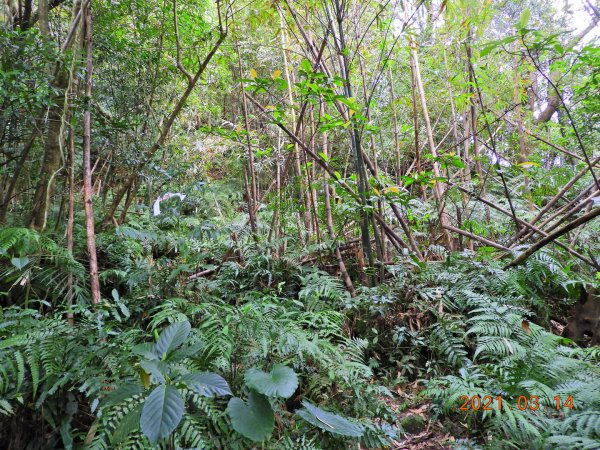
x,y
172,337
146,350
162,412
280,382
208,384
254,419
328,421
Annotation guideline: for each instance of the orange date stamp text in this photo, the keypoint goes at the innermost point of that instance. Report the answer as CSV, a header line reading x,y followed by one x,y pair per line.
x,y
489,403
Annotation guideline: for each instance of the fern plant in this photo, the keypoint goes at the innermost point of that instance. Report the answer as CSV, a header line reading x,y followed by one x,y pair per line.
x,y
509,356
35,266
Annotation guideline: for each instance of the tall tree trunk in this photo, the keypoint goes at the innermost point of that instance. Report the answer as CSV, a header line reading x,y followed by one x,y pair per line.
x,y
355,135
251,190
43,18
379,241
474,133
87,174
328,213
415,119
289,78
396,129
523,156
53,157
465,200
311,174
71,217
439,187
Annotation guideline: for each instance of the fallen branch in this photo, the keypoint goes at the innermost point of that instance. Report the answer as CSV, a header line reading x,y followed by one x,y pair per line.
x,y
202,273
533,228
476,237
553,236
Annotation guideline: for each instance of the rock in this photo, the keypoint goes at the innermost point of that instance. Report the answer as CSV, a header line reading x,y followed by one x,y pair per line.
x,y
413,424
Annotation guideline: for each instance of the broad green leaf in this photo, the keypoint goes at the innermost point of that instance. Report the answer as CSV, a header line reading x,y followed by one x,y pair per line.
x,y
488,49
305,65
20,262
491,46
172,337
253,419
328,421
162,412
524,19
280,382
144,350
208,384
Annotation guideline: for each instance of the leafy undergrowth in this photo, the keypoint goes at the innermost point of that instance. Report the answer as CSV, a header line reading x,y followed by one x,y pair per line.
x,y
210,342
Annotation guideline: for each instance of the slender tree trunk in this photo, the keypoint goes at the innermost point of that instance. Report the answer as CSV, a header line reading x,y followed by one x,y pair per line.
x,y
311,174
415,118
330,229
439,187
523,156
355,136
474,134
278,223
396,129
131,195
251,191
71,217
289,77
379,242
464,158
87,175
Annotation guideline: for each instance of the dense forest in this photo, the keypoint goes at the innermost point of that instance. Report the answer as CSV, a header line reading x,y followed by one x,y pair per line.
x,y
299,224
